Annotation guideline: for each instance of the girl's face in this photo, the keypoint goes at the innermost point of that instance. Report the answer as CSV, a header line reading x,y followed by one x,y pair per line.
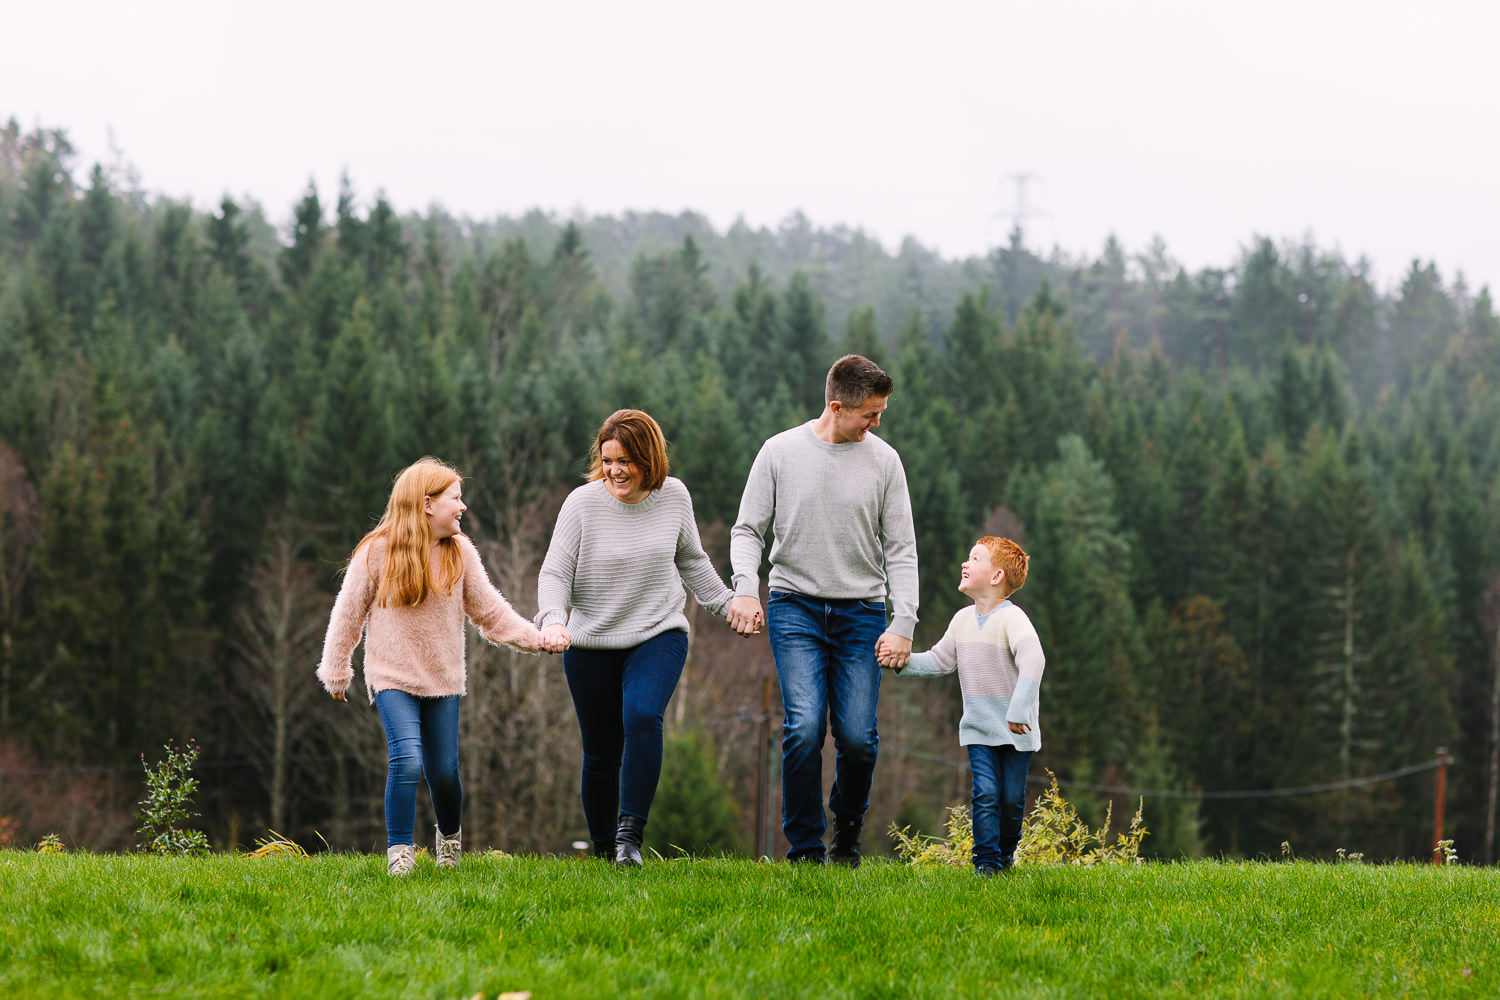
x,y
445,510
622,477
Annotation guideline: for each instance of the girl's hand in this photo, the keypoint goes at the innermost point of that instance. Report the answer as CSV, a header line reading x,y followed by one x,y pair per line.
x,y
340,696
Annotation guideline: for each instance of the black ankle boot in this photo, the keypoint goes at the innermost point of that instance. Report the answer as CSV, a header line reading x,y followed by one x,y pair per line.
x,y
845,847
604,849
628,841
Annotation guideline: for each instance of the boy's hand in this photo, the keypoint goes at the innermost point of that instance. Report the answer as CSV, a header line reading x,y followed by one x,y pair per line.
x,y
1019,728
893,651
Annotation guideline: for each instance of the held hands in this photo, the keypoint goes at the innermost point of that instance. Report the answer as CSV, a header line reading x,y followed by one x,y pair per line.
x,y
555,639
893,651
746,616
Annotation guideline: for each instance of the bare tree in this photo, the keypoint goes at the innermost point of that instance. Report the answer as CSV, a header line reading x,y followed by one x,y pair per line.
x,y
276,637
19,532
520,748
1490,616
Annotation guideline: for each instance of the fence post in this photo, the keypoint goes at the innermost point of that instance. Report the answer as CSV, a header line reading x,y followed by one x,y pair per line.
x,y
1437,805
763,774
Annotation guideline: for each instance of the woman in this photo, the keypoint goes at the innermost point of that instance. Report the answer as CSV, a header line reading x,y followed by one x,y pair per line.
x,y
624,543
408,587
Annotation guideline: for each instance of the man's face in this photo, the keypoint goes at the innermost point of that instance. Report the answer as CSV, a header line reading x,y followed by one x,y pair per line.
x,y
851,423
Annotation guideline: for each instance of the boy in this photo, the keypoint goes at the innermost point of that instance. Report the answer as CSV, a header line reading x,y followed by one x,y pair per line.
x,y
999,660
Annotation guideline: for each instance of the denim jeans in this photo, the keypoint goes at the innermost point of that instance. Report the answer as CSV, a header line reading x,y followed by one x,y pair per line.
x,y
422,737
620,696
999,802
825,661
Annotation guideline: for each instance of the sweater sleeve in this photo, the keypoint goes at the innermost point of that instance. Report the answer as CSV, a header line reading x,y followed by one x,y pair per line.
x,y
899,538
554,584
940,659
489,610
347,623
1026,650
747,539
695,567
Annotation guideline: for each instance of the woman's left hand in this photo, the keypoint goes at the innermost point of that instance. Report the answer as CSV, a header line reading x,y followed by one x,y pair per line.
x,y
555,639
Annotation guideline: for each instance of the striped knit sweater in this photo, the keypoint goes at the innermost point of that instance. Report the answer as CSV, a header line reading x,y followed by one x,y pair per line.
x,y
999,669
620,567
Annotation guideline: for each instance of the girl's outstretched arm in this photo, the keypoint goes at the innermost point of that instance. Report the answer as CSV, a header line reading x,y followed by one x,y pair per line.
x,y
347,623
487,607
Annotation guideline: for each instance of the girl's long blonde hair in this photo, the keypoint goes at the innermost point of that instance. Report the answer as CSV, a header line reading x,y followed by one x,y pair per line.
x,y
406,578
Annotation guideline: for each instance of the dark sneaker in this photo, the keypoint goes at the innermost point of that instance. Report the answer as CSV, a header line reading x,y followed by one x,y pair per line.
x,y
988,870
811,856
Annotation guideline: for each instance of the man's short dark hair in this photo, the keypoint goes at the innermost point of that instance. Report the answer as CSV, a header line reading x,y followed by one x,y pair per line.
x,y
854,379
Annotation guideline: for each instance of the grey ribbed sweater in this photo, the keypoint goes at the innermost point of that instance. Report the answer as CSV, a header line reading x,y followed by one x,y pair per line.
x,y
620,567
840,521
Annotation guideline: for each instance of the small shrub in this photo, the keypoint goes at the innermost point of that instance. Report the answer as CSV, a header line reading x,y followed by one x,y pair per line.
x,y
50,844
1053,835
1450,854
694,810
168,804
955,850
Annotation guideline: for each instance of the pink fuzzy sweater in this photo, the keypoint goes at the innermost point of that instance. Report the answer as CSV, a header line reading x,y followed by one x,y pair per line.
x,y
419,650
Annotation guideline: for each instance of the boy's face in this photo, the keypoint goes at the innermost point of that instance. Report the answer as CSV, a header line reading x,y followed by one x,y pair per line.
x,y
979,573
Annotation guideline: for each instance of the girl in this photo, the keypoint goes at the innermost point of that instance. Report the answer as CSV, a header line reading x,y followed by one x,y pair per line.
x,y
624,543
408,587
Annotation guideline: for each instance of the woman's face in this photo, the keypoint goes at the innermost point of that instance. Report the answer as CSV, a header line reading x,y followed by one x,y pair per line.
x,y
622,477
445,510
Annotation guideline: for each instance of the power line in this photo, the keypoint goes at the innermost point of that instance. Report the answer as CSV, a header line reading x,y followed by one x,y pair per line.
x,y
1252,793
1190,793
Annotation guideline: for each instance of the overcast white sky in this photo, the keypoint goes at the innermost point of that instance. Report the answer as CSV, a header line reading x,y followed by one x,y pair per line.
x,y
1372,126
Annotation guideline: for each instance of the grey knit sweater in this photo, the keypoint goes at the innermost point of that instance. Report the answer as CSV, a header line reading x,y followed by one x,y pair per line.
x,y
840,521
620,567
999,664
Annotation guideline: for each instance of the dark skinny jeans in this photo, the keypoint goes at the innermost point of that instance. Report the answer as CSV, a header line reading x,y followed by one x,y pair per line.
x,y
620,696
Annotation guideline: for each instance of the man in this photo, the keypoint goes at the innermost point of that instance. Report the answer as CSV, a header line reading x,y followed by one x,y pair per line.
x,y
834,498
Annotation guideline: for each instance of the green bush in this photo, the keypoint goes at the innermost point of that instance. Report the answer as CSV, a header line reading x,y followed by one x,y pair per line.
x,y
1052,835
694,811
168,804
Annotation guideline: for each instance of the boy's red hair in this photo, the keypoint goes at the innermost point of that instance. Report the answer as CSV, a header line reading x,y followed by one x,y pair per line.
x,y
1009,556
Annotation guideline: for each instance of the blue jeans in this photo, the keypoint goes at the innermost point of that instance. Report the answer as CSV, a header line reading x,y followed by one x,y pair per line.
x,y
620,696
825,661
422,737
999,802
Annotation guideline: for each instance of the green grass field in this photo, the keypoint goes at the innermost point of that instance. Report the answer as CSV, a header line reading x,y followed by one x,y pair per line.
x,y
335,926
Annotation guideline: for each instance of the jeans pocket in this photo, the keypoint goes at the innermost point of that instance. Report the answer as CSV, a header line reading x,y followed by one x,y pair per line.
x,y
873,606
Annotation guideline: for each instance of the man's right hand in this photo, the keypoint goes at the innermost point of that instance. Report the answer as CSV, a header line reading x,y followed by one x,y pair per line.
x,y
745,615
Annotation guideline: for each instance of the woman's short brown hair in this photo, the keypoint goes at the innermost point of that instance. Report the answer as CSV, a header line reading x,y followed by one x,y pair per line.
x,y
642,440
